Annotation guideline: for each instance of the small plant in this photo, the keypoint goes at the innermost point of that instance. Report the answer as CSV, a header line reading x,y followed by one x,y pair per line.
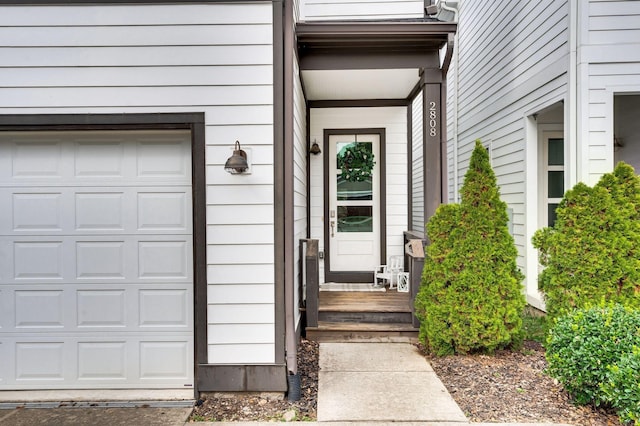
x,y
534,327
593,250
470,299
585,350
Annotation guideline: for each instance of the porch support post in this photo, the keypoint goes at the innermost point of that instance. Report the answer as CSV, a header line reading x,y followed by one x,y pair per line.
x,y
433,143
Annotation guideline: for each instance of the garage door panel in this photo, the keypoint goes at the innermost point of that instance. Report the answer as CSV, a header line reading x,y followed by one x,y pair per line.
x,y
107,362
100,159
164,158
133,259
101,309
96,255
101,210
96,158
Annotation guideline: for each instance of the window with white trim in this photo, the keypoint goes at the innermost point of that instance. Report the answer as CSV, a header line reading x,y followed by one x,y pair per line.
x,y
551,185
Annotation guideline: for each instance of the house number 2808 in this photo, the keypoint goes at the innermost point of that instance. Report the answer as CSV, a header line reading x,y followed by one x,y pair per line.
x,y
432,119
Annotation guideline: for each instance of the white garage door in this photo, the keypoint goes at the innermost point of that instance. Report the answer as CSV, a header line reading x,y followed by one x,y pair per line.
x,y
96,281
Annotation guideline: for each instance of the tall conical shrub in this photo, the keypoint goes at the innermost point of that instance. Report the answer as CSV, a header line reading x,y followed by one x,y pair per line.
x,y
592,253
471,296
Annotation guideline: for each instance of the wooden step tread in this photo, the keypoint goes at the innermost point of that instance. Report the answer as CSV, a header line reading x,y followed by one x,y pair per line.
x,y
349,326
364,302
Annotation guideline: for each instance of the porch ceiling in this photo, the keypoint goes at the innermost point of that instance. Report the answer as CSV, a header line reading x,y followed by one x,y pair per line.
x,y
360,84
368,60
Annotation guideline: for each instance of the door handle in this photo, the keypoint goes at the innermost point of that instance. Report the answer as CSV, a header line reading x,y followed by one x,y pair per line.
x,y
333,225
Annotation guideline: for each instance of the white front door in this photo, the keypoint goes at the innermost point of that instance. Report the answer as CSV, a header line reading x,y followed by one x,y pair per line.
x,y
354,204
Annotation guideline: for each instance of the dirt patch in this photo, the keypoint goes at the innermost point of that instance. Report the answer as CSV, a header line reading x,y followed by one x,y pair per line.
x,y
511,386
258,407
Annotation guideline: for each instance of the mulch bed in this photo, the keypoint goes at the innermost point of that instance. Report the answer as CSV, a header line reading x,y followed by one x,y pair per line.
x,y
509,386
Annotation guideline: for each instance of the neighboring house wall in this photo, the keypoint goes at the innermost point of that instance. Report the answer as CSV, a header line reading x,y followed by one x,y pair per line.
x,y
300,179
394,120
214,58
609,63
417,166
513,63
324,10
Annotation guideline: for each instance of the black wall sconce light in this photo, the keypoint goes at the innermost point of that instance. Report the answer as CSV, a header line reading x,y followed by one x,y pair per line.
x,y
315,148
237,163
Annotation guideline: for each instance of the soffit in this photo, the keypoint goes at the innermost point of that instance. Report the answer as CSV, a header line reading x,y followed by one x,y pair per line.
x,y
367,60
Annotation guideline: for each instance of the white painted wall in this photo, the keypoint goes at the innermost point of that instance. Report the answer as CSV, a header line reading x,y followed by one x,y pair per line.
x,y
513,63
394,120
327,10
215,58
300,177
610,52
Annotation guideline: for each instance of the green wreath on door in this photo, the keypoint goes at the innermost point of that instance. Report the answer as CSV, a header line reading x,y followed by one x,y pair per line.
x,y
356,162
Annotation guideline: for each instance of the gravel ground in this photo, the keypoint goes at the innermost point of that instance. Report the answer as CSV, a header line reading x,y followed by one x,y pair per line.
x,y
506,387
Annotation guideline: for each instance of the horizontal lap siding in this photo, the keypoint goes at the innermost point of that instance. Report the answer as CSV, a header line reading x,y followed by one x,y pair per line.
x,y
317,10
513,62
300,179
612,67
417,166
212,58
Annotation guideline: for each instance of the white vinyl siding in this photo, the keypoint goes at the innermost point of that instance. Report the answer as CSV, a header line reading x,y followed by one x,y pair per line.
x,y
318,10
299,180
417,166
611,57
513,62
394,120
215,58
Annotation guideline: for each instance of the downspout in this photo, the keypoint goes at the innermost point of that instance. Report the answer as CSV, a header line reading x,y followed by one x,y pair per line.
x,y
454,98
291,346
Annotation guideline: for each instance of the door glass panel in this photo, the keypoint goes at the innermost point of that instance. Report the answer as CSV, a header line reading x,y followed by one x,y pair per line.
x,y
354,190
354,161
556,184
556,152
355,219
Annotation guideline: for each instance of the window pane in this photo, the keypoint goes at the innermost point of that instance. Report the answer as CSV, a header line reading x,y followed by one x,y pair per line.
x,y
556,184
552,214
556,152
355,161
355,219
359,190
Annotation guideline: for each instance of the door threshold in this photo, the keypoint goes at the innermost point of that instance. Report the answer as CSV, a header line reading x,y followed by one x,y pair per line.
x,y
350,287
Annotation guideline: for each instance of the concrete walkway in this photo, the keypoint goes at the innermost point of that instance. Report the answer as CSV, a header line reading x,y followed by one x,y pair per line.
x,y
381,382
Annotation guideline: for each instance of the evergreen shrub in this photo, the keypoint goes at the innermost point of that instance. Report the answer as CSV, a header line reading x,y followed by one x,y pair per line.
x,y
593,250
594,353
470,299
622,388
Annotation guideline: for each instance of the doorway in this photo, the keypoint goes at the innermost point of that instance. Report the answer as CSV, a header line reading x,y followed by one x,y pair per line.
x,y
354,204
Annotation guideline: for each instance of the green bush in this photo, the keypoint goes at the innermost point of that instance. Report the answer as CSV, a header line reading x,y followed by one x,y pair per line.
x,y
585,345
622,388
471,297
593,250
